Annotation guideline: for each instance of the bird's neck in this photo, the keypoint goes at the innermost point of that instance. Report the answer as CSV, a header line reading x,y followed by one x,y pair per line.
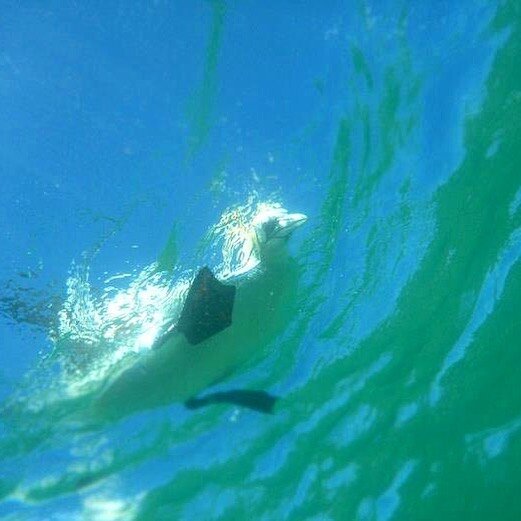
x,y
275,259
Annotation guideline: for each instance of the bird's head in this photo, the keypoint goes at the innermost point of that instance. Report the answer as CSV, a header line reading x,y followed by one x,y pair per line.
x,y
273,226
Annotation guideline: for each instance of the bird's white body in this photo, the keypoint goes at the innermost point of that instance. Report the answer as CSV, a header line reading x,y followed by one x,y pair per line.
x,y
175,370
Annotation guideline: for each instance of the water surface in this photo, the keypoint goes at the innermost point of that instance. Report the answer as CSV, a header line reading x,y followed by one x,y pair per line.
x,y
395,127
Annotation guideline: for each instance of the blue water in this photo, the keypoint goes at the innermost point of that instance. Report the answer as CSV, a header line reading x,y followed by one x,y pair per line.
x,y
392,125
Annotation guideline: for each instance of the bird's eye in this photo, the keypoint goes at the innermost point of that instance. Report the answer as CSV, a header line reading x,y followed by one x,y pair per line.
x,y
269,227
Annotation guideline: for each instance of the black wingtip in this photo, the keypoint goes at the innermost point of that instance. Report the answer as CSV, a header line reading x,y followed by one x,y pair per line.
x,y
259,401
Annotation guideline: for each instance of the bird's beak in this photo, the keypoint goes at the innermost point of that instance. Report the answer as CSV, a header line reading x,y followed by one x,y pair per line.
x,y
290,222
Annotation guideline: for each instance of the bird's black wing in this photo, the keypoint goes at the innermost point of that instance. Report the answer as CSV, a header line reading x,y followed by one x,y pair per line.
x,y
208,307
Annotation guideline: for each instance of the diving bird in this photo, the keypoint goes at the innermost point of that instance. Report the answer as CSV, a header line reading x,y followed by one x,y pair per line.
x,y
225,321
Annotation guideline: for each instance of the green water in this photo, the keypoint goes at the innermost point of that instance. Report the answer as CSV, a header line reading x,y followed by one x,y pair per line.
x,y
400,375
422,418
